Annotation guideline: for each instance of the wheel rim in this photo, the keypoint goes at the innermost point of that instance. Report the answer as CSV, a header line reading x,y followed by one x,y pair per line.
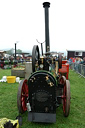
x,y
35,56
60,60
64,99
24,95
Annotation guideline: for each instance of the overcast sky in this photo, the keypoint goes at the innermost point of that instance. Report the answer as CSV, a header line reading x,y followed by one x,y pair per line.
x,y
23,21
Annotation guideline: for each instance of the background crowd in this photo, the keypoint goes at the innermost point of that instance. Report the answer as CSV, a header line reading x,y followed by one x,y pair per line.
x,y
77,60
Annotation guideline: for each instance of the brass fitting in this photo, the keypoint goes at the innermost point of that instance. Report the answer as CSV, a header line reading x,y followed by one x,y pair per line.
x,y
41,58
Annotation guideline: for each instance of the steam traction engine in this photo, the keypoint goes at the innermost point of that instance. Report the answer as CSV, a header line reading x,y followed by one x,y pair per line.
x,y
46,87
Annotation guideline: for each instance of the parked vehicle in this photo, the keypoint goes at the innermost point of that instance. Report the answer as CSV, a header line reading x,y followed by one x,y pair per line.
x,y
47,87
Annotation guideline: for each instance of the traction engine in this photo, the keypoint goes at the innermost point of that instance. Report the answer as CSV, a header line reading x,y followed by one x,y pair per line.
x,y
46,88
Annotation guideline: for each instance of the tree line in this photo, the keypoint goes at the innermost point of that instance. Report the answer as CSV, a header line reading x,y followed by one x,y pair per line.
x,y
11,51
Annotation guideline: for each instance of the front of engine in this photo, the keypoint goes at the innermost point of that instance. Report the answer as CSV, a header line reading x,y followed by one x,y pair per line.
x,y
45,88
42,83
42,97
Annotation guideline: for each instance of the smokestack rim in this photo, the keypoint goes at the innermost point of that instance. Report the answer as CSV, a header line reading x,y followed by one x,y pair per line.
x,y
46,4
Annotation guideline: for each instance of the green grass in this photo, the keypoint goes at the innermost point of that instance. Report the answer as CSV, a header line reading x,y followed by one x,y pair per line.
x,y
76,119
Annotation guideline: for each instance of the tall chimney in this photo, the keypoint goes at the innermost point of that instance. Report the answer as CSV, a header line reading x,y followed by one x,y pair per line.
x,y
46,5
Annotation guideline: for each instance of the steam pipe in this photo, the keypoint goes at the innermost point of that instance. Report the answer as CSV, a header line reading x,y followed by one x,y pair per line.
x,y
46,5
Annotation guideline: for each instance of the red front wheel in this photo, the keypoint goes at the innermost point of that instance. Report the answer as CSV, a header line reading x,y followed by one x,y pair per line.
x,y
66,98
22,96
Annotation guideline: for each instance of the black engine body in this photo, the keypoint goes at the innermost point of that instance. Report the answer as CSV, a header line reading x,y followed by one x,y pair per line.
x,y
42,95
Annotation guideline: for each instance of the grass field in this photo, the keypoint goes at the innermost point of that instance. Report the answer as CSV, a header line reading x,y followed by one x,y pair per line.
x,y
76,119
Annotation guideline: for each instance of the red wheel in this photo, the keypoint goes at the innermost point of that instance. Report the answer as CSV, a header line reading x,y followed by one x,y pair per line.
x,y
66,98
22,96
63,80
